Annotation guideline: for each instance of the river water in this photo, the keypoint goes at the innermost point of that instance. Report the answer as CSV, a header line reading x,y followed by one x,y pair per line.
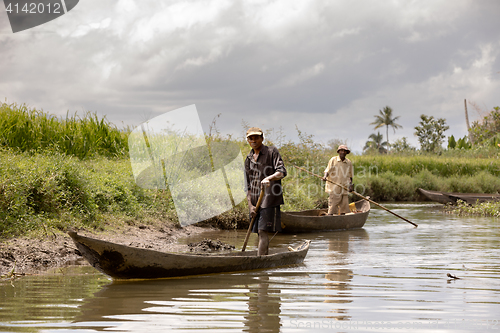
x,y
386,277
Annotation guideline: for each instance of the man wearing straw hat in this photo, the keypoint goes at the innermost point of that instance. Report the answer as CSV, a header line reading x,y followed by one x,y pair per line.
x,y
264,170
339,170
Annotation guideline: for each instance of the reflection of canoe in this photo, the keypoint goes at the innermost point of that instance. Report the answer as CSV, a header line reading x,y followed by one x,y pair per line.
x,y
315,220
147,301
125,262
452,197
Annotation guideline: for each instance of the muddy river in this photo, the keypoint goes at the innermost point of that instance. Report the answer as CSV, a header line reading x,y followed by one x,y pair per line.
x,y
386,277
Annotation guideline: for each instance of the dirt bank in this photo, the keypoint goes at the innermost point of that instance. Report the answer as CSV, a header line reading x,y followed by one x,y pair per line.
x,y
35,256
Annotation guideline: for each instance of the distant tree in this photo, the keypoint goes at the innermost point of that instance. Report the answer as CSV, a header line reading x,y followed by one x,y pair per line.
x,y
430,133
461,143
452,143
385,119
333,144
487,129
375,143
402,146
464,143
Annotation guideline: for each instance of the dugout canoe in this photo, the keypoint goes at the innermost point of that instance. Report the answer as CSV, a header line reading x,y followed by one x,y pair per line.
x,y
315,220
126,262
453,197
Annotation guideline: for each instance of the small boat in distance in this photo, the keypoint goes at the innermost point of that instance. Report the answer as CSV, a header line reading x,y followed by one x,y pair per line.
x,y
453,197
126,262
316,220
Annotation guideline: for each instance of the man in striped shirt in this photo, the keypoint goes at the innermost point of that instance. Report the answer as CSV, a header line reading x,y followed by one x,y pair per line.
x,y
264,170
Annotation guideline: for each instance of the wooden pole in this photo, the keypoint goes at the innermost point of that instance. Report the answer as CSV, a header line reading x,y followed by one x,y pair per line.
x,y
261,196
367,199
467,123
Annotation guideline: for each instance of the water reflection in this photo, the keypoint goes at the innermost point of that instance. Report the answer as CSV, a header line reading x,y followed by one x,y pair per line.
x,y
228,300
252,300
340,278
263,308
386,272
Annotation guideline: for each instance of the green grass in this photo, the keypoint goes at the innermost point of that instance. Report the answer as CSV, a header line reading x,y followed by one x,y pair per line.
x,y
57,191
28,130
480,209
441,166
395,178
59,173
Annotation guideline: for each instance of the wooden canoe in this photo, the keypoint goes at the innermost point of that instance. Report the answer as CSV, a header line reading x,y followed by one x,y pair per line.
x,y
453,197
315,220
125,262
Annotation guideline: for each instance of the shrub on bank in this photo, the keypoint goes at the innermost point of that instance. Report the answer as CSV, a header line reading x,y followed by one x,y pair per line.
x,y
40,190
438,165
481,209
60,173
387,186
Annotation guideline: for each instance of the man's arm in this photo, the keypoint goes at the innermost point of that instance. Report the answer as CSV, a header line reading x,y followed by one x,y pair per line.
x,y
275,176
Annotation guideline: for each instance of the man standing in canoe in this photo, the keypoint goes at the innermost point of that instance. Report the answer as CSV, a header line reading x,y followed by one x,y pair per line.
x,y
339,170
264,170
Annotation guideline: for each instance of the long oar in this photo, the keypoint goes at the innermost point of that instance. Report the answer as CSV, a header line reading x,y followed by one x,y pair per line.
x,y
261,196
367,199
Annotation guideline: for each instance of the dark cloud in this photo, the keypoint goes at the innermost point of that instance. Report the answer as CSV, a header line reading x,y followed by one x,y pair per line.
x,y
332,62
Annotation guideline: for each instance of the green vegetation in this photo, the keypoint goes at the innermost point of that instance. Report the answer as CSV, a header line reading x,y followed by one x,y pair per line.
x,y
487,130
462,143
402,146
29,130
430,133
51,190
396,178
375,144
386,119
45,187
482,209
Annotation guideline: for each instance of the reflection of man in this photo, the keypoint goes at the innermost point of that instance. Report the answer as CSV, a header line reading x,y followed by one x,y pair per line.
x,y
263,308
263,169
339,170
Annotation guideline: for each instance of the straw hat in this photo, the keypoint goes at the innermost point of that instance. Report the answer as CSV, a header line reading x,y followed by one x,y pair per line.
x,y
347,151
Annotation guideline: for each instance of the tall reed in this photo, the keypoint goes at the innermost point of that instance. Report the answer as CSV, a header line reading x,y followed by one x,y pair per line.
x,y
29,130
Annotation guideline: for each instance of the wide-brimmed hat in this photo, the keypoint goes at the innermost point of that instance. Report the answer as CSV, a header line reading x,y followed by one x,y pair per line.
x,y
254,131
347,151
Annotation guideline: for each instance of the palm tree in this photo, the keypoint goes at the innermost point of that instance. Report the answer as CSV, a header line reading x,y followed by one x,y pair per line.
x,y
385,119
376,143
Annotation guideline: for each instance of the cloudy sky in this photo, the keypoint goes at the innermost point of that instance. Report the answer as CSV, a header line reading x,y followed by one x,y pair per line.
x,y
324,66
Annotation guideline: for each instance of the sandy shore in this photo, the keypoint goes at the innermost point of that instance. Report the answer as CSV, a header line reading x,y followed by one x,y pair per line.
x,y
22,256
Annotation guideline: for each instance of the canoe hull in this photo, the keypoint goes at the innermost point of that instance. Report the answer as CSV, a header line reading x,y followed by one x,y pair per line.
x,y
453,197
125,262
311,221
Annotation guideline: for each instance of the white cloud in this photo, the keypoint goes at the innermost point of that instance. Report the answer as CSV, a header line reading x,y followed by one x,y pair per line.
x,y
303,75
328,66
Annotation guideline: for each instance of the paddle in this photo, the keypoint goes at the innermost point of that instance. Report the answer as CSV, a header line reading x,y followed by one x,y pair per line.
x,y
261,196
367,199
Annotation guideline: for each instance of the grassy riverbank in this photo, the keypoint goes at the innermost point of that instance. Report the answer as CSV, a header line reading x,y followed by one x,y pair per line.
x,y
397,178
481,209
57,173
52,190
